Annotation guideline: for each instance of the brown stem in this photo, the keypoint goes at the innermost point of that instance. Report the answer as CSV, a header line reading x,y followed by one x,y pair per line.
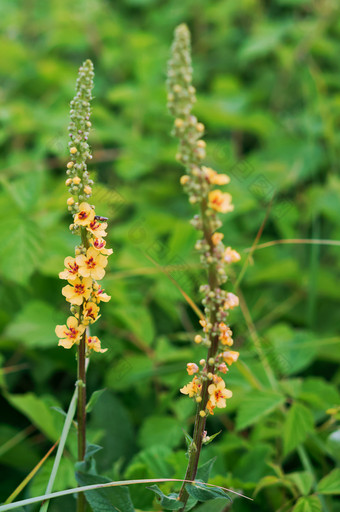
x,y
81,413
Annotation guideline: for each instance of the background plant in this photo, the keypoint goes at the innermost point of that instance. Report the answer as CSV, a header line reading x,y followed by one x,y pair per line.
x,y
268,78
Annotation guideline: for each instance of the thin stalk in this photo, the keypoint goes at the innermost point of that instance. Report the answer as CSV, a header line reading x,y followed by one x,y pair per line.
x,y
81,413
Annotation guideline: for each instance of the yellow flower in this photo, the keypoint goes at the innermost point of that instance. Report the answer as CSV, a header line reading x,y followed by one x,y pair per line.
x,y
214,178
93,343
97,228
69,334
218,394
225,334
92,265
192,388
100,295
100,245
230,357
184,179
192,368
217,238
71,270
90,313
80,289
220,201
232,301
230,255
85,215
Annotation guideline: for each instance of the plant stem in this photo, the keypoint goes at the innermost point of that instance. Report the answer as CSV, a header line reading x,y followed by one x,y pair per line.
x,y
81,413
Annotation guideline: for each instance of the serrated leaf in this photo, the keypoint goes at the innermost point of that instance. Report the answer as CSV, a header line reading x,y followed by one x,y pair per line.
x,y
169,502
330,484
256,405
93,399
19,248
308,504
202,492
109,499
299,422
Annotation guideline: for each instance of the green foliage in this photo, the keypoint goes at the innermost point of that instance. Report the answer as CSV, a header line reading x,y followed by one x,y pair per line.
x,y
267,75
109,499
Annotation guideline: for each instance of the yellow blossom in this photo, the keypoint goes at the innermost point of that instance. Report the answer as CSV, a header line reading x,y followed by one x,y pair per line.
x,y
214,177
220,201
73,151
70,201
97,228
184,179
218,394
225,334
192,388
87,190
90,313
71,271
93,343
100,245
230,357
192,368
85,215
217,238
198,339
70,165
69,334
80,289
100,295
92,264
230,255
76,180
232,301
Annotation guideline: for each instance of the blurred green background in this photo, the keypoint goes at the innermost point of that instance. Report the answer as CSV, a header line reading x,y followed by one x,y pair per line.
x,y
268,80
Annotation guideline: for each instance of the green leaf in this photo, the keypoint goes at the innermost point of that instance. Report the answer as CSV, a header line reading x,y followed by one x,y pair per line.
x,y
35,325
256,405
330,484
303,481
169,502
308,504
333,444
299,422
203,471
211,438
93,400
267,481
19,248
202,492
160,430
217,505
109,499
39,411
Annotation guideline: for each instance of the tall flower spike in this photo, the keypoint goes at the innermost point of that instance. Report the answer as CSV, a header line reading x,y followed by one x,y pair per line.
x,y
88,265
207,387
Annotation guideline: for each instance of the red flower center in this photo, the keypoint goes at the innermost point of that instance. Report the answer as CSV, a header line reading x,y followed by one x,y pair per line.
x,y
79,289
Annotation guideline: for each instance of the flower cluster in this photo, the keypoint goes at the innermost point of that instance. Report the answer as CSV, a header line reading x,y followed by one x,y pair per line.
x,y
201,184
87,267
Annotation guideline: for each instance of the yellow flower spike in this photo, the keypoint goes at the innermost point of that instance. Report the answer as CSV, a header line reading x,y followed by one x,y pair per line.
x,y
219,201
70,333
71,271
85,215
79,291
92,264
93,343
